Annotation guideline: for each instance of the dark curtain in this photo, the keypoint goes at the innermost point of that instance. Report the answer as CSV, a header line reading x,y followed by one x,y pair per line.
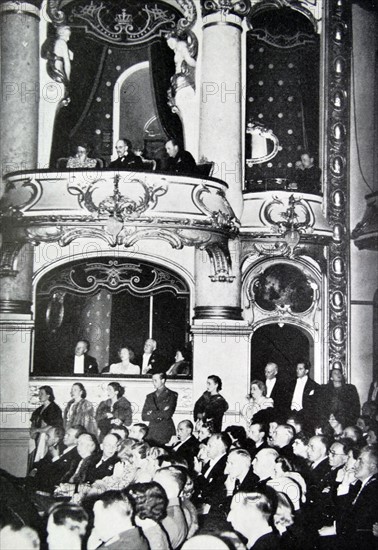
x,y
162,67
85,74
129,324
169,323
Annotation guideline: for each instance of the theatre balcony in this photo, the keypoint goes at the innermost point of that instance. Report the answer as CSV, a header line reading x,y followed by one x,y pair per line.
x,y
288,216
118,207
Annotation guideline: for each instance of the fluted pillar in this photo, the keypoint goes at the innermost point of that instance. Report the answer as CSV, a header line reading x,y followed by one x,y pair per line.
x,y
221,95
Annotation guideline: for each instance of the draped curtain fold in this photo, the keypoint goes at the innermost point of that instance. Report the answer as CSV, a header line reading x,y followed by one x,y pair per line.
x,y
162,67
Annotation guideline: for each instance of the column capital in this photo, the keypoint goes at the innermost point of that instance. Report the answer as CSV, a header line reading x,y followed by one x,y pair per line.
x,y
30,7
225,8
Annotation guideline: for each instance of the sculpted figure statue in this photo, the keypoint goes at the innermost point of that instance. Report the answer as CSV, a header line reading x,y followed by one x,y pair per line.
x,y
184,50
59,58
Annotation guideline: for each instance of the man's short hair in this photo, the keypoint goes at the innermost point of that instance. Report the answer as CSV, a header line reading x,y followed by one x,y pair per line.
x,y
79,429
258,500
305,362
175,142
163,375
225,440
176,473
188,424
59,432
142,428
86,342
243,454
72,516
263,427
126,142
121,428
289,430
118,499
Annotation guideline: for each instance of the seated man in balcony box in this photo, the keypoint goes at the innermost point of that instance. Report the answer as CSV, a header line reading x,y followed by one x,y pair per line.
x,y
306,175
127,160
80,362
180,161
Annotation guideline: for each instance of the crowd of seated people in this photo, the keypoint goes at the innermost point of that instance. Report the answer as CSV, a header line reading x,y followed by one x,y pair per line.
x,y
298,473
147,363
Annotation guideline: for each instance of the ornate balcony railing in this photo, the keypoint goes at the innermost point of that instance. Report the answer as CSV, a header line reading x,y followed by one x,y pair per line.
x,y
120,208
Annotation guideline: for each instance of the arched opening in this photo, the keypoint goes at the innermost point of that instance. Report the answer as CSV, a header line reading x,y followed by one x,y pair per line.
x,y
111,303
284,345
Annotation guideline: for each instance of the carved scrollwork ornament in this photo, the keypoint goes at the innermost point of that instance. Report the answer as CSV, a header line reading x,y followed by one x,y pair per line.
x,y
337,38
226,7
54,12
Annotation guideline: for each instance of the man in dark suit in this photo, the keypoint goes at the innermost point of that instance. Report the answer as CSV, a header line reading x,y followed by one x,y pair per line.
x,y
304,393
257,434
151,361
180,161
318,477
113,522
360,504
240,475
49,471
264,465
210,489
105,461
276,389
187,445
80,362
158,410
127,160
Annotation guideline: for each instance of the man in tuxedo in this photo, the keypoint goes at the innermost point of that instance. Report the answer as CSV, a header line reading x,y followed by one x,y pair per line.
x,y
127,160
187,445
49,471
304,393
114,524
105,460
360,504
158,410
275,388
282,440
257,434
80,362
210,489
151,361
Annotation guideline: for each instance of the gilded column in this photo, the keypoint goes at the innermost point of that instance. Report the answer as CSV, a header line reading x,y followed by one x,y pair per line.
x,y
221,94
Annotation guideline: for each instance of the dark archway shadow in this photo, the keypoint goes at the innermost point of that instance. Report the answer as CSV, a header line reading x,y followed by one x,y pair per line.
x,y
284,345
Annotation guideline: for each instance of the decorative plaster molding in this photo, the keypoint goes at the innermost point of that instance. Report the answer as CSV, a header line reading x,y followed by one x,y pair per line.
x,y
337,30
226,7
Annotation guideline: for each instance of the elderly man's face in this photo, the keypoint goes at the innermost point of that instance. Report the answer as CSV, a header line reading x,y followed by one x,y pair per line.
x,y
121,148
149,346
316,449
270,371
81,348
